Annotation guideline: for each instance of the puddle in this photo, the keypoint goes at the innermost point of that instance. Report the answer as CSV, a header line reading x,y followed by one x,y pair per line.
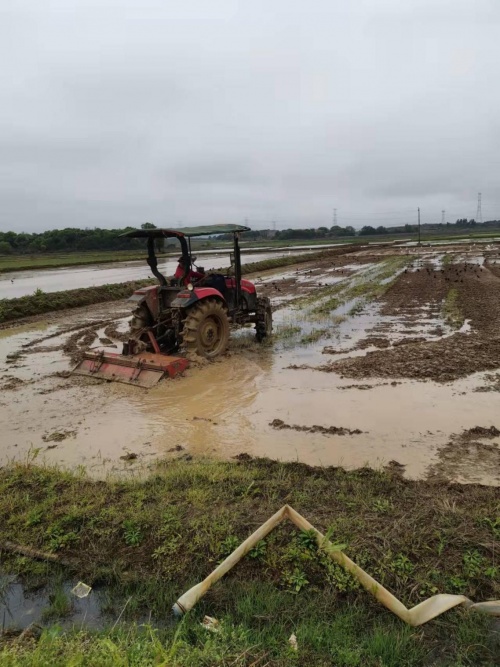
x,y
20,608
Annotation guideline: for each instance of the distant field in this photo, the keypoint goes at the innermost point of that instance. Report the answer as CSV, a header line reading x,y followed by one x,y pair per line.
x,y
26,262
22,262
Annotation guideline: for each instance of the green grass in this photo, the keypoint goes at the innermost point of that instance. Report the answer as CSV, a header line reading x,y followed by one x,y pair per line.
x,y
451,311
256,632
147,540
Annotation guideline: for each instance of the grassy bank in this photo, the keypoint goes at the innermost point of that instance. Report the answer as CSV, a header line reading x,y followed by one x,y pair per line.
x,y
44,302
146,540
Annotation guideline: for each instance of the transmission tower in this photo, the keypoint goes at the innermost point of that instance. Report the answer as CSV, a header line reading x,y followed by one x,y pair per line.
x,y
479,214
334,217
442,216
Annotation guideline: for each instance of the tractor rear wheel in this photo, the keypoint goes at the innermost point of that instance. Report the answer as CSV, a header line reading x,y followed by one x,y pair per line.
x,y
264,322
206,329
139,340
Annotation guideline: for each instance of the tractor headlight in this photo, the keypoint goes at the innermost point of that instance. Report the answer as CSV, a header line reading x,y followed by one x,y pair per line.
x,y
190,287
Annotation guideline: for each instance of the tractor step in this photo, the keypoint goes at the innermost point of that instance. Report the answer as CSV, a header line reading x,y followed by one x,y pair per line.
x,y
141,370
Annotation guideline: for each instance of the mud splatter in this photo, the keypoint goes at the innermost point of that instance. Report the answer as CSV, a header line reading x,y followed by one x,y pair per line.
x,y
326,430
58,436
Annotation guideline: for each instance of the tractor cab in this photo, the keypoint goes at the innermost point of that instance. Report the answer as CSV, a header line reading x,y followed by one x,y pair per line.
x,y
190,313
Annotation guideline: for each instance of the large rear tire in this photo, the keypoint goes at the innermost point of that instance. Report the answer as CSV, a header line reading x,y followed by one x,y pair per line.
x,y
264,323
206,329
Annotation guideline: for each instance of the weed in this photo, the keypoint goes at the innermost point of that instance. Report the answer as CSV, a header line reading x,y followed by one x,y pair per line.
x,y
259,550
307,540
402,566
382,505
228,545
131,533
493,525
58,539
295,579
60,604
473,563
34,517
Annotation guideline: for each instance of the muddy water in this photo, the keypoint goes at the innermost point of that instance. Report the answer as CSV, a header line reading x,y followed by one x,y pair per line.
x,y
226,408
19,283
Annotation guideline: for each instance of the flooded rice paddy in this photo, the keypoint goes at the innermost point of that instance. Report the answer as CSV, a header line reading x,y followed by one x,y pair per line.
x,y
19,283
311,394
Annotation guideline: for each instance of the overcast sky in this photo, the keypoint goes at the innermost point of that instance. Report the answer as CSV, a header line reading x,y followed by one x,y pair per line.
x,y
116,112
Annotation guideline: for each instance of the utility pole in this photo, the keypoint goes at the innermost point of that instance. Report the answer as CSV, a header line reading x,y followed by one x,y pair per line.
x,y
334,217
479,214
419,225
443,217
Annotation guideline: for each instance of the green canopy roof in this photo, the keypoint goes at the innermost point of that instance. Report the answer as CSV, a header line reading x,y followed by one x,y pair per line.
x,y
204,230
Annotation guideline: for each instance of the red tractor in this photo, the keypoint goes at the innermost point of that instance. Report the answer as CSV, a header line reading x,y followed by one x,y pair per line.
x,y
190,313
193,311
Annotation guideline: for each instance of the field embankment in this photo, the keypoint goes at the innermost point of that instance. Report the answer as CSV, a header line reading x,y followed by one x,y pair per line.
x,y
41,302
145,541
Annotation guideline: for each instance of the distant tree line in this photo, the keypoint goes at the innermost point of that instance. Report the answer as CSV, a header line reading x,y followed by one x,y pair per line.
x,y
71,240
84,240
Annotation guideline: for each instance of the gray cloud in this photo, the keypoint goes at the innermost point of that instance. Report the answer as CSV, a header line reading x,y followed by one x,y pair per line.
x,y
115,112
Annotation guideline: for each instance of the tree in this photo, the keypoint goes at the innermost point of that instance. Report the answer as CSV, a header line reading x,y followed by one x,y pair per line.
x,y
366,230
5,248
381,230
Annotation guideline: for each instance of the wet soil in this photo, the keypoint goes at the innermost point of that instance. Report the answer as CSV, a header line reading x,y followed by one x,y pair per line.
x,y
456,356
471,449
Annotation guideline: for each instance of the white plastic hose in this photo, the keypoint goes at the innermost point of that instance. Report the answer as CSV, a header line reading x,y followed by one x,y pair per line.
x,y
423,612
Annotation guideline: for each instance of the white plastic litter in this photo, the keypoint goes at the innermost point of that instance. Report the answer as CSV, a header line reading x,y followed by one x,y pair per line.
x,y
210,623
81,590
293,642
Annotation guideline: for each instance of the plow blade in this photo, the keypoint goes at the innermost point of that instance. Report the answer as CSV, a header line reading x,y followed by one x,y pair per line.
x,y
141,370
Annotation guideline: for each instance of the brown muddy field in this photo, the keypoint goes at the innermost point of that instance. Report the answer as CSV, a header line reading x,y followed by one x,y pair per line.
x,y
380,357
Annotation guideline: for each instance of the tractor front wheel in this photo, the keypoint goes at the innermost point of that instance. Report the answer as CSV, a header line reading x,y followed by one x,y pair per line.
x,y
206,329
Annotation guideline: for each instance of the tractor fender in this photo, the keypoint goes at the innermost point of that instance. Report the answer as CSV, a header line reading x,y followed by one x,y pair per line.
x,y
148,296
187,298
